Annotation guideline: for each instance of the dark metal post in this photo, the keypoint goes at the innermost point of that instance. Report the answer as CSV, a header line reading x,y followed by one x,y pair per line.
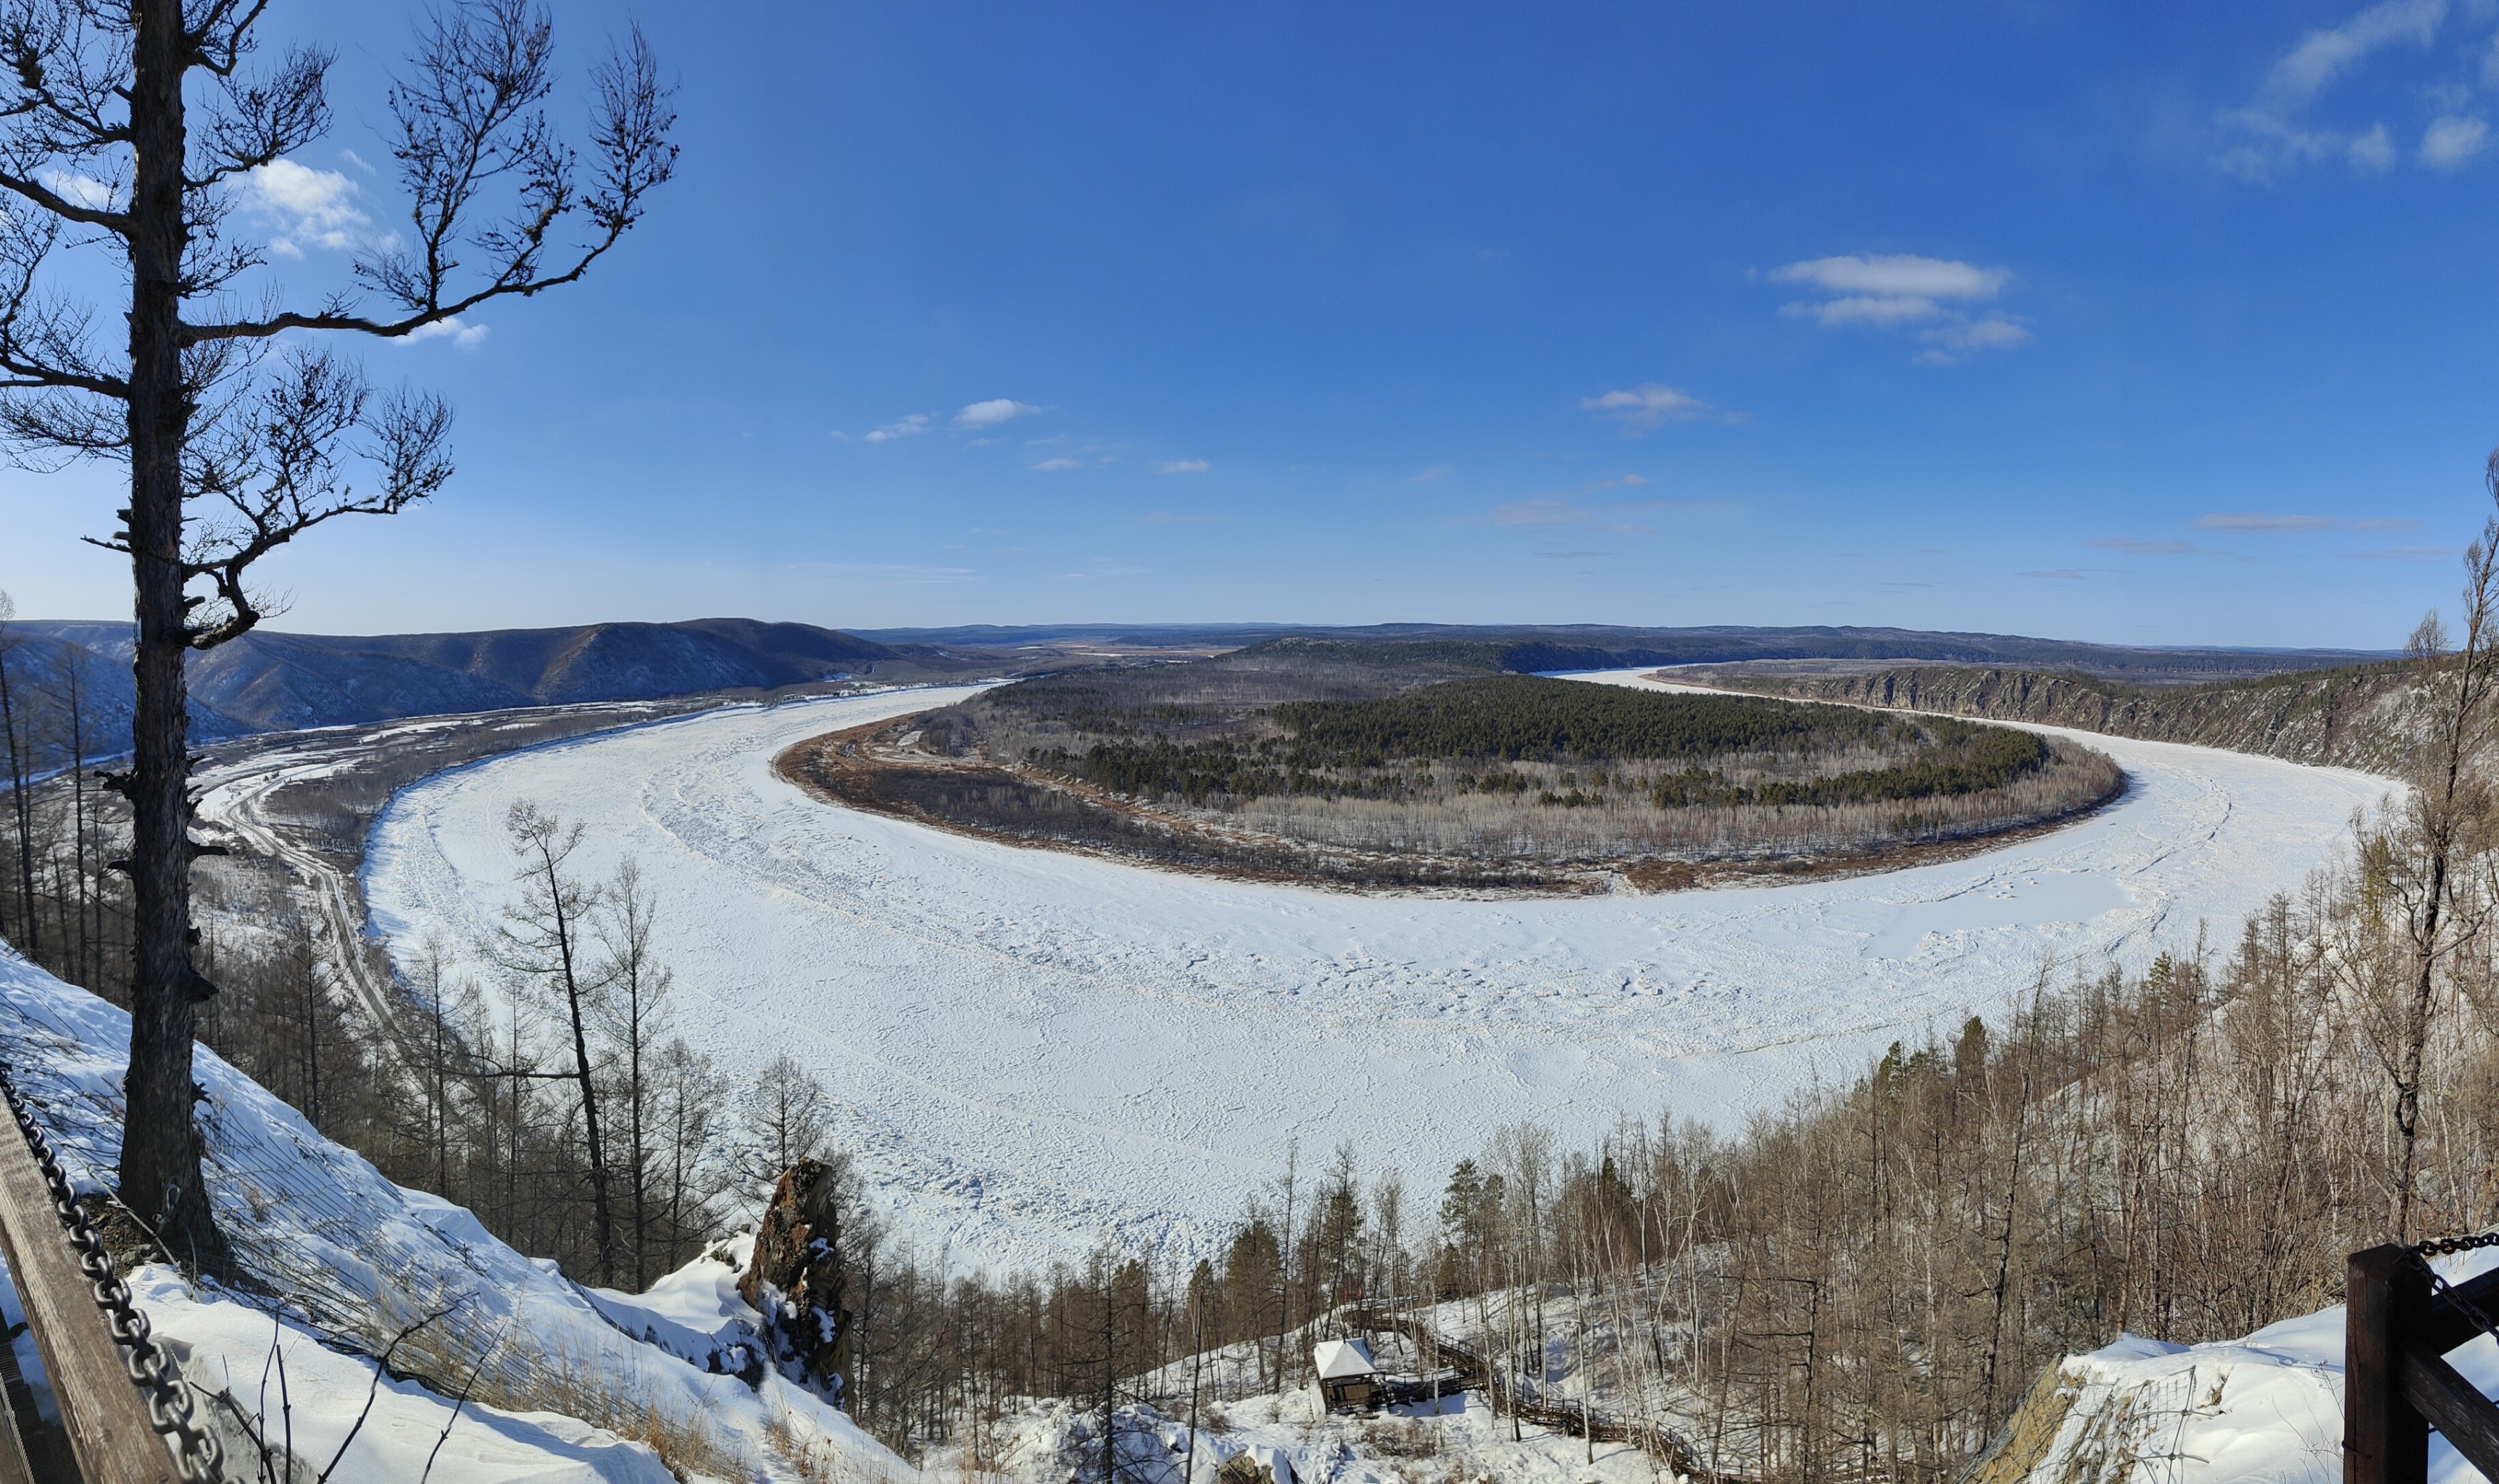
x,y
2386,1306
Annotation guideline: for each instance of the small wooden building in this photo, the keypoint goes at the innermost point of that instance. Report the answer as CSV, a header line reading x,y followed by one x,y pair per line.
x,y
1348,1381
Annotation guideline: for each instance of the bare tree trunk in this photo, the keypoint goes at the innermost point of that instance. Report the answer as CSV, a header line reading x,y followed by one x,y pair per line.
x,y
27,932
160,1143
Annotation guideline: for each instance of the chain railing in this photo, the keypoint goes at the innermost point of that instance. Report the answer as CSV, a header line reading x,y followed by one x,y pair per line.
x,y
195,1452
2402,1316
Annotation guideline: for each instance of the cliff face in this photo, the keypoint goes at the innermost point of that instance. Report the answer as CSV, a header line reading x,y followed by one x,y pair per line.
x,y
2357,718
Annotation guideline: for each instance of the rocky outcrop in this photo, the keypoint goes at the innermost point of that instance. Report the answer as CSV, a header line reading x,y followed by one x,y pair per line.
x,y
795,1279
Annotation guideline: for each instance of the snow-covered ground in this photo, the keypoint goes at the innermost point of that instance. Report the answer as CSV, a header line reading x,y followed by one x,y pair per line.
x,y
2265,1409
1033,1050
536,1378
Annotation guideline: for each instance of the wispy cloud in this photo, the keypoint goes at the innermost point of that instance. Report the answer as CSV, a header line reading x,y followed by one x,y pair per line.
x,y
1548,512
1893,291
1896,276
1649,406
2453,141
1948,343
910,426
2132,546
1436,471
1574,556
2403,554
1541,512
1177,517
83,190
995,412
1183,467
2263,523
1059,464
315,207
461,335
2271,134
2056,574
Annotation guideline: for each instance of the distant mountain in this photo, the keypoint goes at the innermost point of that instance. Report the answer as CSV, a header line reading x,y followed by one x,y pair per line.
x,y
280,682
1596,646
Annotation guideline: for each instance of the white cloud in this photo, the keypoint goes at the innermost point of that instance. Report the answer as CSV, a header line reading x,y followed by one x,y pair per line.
x,y
1896,290
2272,136
1185,467
2134,546
1059,464
1866,310
1650,405
82,190
2373,151
1947,343
466,336
993,412
318,207
1177,517
2270,522
1436,471
910,426
1896,276
2325,54
2452,140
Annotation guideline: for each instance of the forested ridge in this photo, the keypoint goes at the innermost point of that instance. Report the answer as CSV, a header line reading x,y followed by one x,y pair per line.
x,y
2355,716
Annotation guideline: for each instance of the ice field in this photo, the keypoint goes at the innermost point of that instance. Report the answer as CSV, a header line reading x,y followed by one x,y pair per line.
x,y
1034,1049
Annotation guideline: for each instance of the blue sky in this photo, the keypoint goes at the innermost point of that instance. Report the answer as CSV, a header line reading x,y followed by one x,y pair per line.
x,y
2125,322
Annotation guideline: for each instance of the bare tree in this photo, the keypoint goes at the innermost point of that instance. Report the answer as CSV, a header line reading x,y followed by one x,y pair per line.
x,y
544,939
635,1002
19,799
788,1117
128,130
2412,862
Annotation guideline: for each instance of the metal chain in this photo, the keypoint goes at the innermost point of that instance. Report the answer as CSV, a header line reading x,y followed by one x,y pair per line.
x,y
196,1453
2447,1246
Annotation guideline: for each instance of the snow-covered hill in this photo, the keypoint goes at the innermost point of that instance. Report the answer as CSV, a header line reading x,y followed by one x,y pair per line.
x,y
560,1384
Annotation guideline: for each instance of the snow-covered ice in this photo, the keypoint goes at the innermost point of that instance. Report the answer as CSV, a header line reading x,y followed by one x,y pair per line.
x,y
1034,1049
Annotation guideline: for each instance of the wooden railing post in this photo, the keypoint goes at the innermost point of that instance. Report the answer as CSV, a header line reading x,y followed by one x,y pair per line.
x,y
103,1412
2386,1309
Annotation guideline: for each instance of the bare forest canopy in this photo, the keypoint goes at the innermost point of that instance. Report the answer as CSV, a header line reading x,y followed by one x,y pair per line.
x,y
1420,762
2357,715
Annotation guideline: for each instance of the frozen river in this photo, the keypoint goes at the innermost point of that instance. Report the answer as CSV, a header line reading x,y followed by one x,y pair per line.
x,y
1031,1050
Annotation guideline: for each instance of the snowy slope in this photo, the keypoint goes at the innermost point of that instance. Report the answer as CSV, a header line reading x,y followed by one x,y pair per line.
x,y
1034,1049
2266,1410
557,1376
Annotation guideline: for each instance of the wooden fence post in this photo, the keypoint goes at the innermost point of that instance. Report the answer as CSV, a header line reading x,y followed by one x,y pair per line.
x,y
2386,1309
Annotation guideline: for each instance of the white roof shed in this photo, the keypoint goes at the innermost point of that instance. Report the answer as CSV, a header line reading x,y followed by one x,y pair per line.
x,y
1340,1359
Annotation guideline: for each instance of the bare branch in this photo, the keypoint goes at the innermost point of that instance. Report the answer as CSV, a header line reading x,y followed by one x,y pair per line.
x,y
276,467
468,123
